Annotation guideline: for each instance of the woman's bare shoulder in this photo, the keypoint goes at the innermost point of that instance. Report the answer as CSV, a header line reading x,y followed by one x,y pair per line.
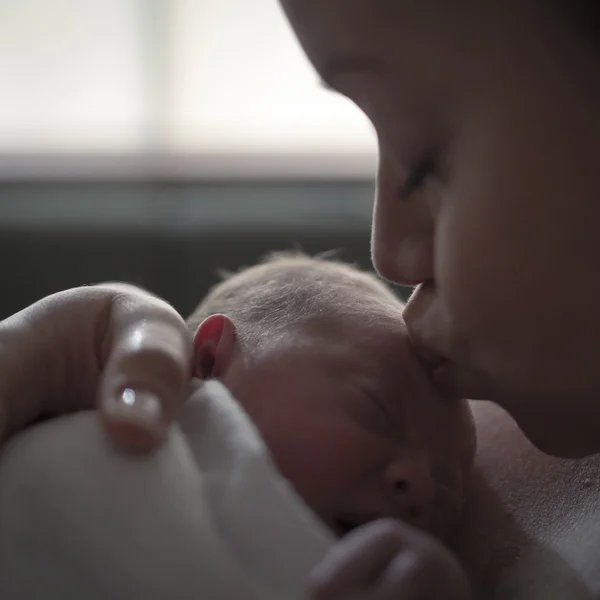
x,y
532,524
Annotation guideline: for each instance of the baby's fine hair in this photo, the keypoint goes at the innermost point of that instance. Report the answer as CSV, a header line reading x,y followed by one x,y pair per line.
x,y
287,289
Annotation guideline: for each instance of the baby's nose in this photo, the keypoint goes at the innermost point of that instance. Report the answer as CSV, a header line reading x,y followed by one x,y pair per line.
x,y
412,490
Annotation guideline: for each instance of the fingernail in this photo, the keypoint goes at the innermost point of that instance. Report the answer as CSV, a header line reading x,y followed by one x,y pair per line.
x,y
139,407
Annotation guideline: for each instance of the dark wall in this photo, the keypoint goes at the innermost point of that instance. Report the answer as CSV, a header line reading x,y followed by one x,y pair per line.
x,y
169,238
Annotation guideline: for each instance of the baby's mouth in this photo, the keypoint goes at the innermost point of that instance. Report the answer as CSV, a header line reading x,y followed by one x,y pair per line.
x,y
345,524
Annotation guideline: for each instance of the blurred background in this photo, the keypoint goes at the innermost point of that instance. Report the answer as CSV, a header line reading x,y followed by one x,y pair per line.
x,y
157,141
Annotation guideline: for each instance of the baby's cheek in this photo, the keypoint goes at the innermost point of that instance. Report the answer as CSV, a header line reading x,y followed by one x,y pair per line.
x,y
315,465
328,468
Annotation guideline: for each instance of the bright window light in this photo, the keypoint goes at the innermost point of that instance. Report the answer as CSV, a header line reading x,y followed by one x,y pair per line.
x,y
72,76
241,83
197,85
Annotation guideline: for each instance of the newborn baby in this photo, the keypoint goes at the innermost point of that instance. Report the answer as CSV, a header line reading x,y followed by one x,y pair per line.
x,y
330,420
317,354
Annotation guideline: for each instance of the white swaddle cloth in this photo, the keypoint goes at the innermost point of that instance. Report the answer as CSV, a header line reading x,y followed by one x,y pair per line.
x,y
206,517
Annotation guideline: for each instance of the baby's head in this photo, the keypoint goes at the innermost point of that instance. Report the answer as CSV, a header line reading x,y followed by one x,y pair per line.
x,y
317,353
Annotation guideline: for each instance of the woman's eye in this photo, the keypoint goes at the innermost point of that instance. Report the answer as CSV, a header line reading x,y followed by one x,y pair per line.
x,y
424,169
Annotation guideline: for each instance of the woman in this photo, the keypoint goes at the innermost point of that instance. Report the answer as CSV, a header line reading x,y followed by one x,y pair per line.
x,y
487,119
488,127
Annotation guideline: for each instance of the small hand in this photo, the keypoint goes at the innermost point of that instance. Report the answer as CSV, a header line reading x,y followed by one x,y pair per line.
x,y
388,560
112,346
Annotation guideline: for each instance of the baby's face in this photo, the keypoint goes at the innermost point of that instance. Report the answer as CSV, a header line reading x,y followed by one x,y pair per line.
x,y
353,422
487,119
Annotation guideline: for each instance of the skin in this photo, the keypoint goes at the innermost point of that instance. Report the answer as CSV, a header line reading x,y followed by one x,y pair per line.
x,y
488,129
112,346
358,438
487,192
377,554
531,526
503,95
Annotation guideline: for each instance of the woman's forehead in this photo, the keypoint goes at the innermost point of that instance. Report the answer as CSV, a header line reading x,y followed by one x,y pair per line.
x,y
333,30
337,30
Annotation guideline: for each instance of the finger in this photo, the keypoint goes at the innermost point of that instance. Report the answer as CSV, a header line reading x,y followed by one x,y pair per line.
x,y
425,570
357,560
406,577
147,370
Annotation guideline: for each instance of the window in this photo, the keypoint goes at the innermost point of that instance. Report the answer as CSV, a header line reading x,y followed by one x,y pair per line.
x,y
72,76
182,87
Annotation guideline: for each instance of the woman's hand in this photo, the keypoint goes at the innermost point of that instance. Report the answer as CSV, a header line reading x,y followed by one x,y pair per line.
x,y
388,560
113,346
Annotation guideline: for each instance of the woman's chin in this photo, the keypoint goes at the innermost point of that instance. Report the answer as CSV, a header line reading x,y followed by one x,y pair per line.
x,y
557,437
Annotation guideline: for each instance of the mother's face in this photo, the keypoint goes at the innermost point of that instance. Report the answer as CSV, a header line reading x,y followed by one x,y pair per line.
x,y
488,192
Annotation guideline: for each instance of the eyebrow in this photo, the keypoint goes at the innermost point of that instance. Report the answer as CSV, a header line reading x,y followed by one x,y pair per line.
x,y
336,67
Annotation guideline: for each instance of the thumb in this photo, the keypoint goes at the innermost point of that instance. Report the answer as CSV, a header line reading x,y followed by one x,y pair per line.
x,y
147,368
358,560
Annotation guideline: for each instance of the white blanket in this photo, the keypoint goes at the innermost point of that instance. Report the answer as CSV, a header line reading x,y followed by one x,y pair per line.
x,y
207,517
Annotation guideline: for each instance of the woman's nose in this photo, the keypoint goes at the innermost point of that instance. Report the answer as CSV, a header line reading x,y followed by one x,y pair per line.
x,y
412,491
402,235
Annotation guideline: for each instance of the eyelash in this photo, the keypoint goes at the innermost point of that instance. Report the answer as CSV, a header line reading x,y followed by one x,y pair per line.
x,y
424,169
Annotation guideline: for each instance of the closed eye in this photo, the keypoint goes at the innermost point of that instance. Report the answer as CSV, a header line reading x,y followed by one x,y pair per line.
x,y
372,413
424,169
379,417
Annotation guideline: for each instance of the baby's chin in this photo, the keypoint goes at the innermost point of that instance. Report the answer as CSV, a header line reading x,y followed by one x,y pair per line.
x,y
444,525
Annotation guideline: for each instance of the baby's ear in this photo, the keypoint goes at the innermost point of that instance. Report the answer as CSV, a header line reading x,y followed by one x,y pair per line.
x,y
214,344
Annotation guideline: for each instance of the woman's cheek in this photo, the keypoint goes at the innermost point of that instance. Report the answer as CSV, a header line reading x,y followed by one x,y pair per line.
x,y
477,282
